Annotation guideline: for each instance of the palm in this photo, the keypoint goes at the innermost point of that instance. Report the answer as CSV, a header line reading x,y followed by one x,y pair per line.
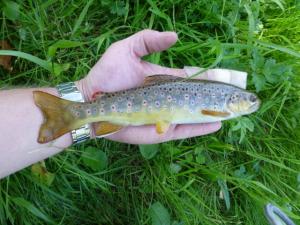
x,y
121,68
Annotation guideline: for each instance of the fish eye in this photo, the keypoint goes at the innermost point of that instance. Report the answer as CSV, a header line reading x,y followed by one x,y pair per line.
x,y
253,98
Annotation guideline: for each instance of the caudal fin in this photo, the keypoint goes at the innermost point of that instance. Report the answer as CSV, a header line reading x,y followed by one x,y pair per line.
x,y
58,119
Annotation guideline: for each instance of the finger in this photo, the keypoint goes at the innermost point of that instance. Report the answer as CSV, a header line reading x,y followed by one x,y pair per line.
x,y
154,69
193,130
148,41
148,134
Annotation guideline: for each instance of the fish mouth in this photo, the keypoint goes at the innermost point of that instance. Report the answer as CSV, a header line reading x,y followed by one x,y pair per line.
x,y
255,106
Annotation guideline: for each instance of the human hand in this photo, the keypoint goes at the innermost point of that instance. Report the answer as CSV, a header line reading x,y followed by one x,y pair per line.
x,y
121,67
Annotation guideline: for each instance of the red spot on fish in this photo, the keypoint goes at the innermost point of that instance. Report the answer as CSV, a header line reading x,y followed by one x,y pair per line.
x,y
96,94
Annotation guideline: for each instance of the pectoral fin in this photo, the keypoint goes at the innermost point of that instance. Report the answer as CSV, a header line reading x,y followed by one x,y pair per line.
x,y
105,128
162,127
215,113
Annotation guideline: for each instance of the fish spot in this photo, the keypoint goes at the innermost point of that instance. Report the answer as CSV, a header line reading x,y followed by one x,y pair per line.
x,y
88,112
113,108
157,104
180,102
192,102
144,102
186,96
102,111
94,111
169,98
129,104
162,94
119,99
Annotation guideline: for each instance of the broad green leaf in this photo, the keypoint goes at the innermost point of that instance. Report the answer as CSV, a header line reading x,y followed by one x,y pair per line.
x,y
241,172
149,151
94,159
62,44
200,158
21,202
269,72
40,171
259,81
118,8
22,34
258,60
159,214
225,192
11,10
174,168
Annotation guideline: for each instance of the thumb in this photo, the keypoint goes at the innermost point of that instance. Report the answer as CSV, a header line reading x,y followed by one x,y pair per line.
x,y
146,42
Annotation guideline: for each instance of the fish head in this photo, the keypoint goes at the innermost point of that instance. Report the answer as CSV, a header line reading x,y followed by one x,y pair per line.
x,y
242,102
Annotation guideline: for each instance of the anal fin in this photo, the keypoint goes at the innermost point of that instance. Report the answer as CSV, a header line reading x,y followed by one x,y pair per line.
x,y
105,128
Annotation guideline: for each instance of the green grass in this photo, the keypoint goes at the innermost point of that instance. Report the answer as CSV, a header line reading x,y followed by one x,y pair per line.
x,y
253,160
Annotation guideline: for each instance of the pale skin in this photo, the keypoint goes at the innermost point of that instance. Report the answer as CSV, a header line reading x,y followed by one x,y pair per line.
x,y
119,68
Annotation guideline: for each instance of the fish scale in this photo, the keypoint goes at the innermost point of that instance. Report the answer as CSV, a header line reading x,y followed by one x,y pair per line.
x,y
162,100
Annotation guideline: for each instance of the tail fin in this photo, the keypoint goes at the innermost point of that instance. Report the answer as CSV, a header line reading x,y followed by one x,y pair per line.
x,y
58,119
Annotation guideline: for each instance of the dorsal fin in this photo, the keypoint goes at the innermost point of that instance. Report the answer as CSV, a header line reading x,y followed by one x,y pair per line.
x,y
154,79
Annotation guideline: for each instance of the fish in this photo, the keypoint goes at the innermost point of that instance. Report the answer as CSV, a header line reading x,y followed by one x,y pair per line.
x,y
161,100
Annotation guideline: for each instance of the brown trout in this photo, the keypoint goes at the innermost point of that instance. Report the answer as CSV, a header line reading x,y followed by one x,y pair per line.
x,y
162,100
